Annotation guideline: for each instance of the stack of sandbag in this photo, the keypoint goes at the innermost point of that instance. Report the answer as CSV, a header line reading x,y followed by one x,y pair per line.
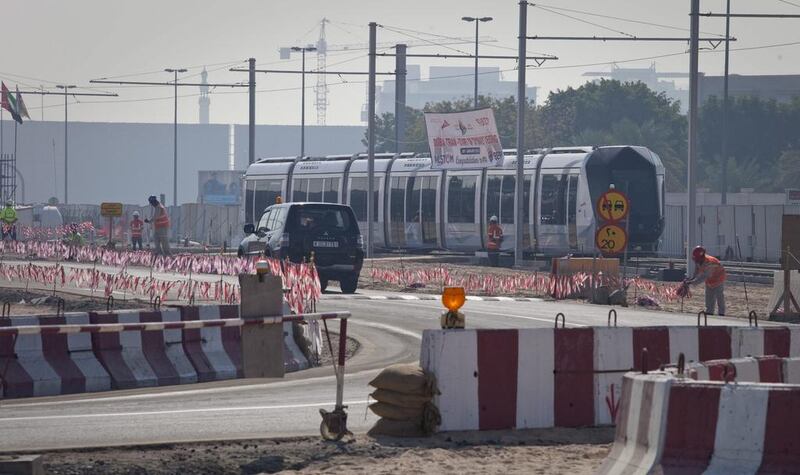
x,y
404,395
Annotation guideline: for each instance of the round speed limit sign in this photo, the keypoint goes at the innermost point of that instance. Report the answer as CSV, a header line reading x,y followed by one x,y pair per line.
x,y
611,239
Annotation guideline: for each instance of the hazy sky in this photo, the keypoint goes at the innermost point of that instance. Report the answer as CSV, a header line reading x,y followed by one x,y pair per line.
x,y
57,41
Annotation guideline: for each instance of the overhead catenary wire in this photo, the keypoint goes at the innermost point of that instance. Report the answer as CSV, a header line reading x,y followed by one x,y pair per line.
x,y
562,66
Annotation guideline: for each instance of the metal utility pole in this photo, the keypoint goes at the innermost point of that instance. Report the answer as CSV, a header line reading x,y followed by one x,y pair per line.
x,y
66,89
302,50
477,21
724,191
175,138
371,137
400,97
694,53
251,91
519,212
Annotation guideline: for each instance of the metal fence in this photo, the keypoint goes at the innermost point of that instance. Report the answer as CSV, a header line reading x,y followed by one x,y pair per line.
x,y
757,227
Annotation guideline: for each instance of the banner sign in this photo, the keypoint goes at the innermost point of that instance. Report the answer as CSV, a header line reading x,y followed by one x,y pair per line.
x,y
466,139
219,187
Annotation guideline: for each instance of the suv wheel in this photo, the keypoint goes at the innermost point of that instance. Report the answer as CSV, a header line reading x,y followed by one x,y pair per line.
x,y
323,284
349,284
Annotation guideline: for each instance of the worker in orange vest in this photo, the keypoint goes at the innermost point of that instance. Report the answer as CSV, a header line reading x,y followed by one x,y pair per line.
x,y
160,220
709,270
495,239
137,226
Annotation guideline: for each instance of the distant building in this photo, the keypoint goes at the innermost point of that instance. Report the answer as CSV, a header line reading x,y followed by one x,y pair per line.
x,y
781,88
204,101
652,79
447,83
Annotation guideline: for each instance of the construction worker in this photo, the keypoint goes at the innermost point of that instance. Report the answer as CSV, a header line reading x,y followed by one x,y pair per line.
x,y
709,270
137,225
160,220
9,221
495,239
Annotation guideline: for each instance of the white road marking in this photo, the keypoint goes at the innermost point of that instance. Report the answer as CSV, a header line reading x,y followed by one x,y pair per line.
x,y
179,411
510,315
390,328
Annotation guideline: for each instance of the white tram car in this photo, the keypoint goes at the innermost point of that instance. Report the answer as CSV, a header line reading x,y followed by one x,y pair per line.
x,y
419,208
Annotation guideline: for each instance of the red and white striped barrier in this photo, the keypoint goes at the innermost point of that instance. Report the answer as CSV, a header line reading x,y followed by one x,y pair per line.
x,y
75,353
49,363
751,369
566,377
669,425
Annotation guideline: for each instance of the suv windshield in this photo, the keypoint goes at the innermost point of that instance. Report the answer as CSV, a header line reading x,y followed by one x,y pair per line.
x,y
307,218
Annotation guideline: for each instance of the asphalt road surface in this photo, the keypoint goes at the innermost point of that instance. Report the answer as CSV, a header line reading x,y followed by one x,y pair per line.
x,y
389,332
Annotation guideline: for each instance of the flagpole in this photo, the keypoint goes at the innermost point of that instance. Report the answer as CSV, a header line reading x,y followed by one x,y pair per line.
x,y
13,194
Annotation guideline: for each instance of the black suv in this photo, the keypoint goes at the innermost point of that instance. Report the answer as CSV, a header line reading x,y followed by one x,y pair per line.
x,y
296,230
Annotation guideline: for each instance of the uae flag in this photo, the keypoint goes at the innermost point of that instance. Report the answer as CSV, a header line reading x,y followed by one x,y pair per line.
x,y
9,103
21,109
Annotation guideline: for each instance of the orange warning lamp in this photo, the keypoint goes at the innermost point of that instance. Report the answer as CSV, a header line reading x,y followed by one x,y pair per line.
x,y
278,200
453,298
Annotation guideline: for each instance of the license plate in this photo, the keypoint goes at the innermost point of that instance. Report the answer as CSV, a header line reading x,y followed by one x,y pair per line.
x,y
326,244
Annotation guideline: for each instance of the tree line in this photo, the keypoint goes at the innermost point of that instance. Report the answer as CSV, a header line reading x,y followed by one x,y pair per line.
x,y
763,135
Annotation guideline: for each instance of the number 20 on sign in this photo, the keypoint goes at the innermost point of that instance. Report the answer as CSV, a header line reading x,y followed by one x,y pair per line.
x,y
611,239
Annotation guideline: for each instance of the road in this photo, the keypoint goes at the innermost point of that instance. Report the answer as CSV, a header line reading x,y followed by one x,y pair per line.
x,y
389,332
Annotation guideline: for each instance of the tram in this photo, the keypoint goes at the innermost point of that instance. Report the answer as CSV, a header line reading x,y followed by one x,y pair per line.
x,y
421,208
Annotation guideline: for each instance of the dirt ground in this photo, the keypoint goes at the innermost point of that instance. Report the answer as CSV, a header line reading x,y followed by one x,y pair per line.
x,y
739,304
545,452
37,303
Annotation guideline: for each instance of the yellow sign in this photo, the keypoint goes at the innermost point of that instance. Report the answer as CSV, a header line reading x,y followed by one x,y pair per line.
x,y
611,239
613,206
111,210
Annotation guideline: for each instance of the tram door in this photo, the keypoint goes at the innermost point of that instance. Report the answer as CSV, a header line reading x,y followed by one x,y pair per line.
x,y
413,211
572,212
553,234
500,190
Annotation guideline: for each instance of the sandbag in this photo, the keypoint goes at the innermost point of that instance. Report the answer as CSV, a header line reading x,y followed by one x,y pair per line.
x,y
406,379
396,413
388,427
400,399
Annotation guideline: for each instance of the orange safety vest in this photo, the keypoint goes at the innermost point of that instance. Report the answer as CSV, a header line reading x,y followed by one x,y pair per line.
x,y
136,228
716,273
495,235
162,218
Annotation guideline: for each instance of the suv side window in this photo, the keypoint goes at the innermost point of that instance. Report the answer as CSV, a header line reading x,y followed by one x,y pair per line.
x,y
264,223
280,218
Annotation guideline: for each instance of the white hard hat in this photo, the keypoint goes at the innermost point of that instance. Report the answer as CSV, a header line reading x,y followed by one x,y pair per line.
x,y
493,219
135,214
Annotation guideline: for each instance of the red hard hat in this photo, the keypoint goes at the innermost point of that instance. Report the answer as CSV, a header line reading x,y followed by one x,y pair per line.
x,y
699,254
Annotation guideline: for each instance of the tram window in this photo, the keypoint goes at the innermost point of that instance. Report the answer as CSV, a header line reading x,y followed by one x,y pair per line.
x,y
358,198
461,199
572,199
331,190
553,199
507,205
300,190
266,191
412,198
398,199
428,217
315,189
493,196
249,201
526,197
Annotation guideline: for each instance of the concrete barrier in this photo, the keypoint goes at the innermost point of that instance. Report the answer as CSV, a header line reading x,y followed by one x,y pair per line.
x,y
670,425
567,377
47,363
